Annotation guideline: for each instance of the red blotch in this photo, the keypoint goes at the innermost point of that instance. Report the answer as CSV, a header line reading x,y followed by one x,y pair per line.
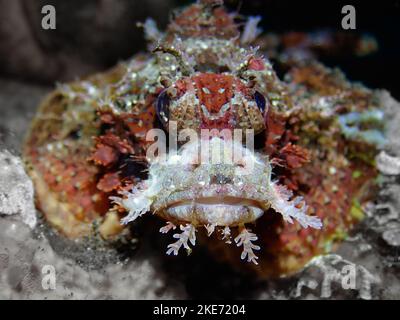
x,y
256,64
295,156
104,155
109,182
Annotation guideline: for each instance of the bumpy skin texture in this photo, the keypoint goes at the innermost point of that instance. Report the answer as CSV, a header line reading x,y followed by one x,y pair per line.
x,y
317,135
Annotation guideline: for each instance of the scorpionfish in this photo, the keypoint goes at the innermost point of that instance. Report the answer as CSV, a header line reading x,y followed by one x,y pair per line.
x,y
95,148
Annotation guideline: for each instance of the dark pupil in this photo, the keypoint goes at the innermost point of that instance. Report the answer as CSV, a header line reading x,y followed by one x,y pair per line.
x,y
162,107
260,100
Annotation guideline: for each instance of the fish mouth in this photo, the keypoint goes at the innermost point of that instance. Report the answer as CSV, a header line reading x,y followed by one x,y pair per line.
x,y
228,200
214,208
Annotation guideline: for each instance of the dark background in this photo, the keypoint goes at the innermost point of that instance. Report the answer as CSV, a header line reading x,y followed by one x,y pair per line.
x,y
93,35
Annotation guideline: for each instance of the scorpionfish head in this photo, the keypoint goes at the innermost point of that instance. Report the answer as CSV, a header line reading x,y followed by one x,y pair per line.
x,y
210,80
213,101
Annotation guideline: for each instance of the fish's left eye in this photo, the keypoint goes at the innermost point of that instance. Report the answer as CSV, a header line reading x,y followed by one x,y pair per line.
x,y
260,101
162,107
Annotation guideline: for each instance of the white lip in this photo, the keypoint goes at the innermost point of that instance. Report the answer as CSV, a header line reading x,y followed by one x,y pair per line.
x,y
227,211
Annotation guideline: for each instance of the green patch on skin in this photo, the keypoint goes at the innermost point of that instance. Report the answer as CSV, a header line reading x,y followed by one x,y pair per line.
x,y
379,180
356,174
364,157
356,211
337,236
328,246
340,235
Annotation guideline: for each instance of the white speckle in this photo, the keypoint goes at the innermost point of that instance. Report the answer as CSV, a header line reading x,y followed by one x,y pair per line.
x,y
387,164
392,237
205,90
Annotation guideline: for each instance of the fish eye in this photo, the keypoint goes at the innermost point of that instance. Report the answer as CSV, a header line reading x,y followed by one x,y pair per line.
x,y
260,101
162,107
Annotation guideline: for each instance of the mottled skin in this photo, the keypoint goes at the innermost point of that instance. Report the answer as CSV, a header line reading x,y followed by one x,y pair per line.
x,y
87,142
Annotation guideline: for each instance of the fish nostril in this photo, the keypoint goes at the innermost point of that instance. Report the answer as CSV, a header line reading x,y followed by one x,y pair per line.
x,y
220,179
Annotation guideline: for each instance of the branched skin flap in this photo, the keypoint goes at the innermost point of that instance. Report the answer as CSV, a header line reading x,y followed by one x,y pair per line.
x,y
293,193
